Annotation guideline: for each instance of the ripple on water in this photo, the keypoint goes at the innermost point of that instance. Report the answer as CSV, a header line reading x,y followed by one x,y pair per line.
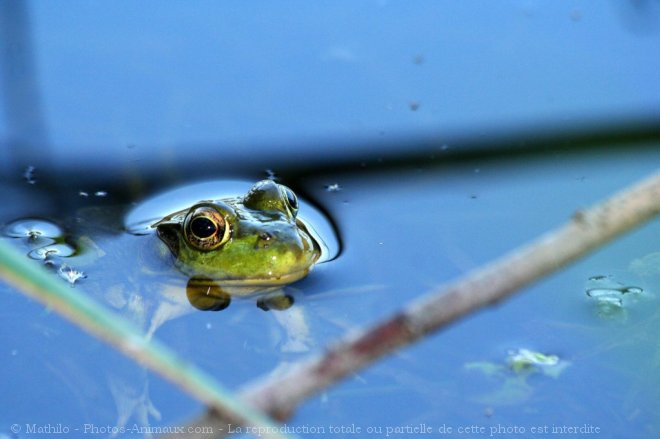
x,y
32,229
45,241
60,250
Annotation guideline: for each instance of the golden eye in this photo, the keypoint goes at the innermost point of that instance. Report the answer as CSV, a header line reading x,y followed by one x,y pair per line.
x,y
206,228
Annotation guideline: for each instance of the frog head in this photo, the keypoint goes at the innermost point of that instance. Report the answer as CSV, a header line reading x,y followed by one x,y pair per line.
x,y
248,244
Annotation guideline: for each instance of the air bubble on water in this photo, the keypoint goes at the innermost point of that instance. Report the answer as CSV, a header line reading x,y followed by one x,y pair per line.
x,y
42,253
32,229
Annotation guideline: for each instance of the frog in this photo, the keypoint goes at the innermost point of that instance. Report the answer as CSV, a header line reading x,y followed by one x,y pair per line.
x,y
242,246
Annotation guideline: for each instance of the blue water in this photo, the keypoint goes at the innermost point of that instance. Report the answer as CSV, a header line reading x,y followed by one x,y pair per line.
x,y
137,99
401,241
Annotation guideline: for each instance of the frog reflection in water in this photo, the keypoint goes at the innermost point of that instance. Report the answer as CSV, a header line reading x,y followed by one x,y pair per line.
x,y
241,246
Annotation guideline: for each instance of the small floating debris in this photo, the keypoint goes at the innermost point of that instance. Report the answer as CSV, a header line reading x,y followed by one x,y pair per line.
x,y
515,380
523,362
83,194
28,175
70,274
100,194
608,292
334,187
414,105
524,359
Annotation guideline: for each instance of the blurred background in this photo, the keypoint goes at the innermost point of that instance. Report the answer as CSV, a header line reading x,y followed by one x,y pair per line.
x,y
433,135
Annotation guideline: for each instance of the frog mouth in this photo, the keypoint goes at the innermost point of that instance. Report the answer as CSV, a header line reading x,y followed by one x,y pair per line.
x,y
265,282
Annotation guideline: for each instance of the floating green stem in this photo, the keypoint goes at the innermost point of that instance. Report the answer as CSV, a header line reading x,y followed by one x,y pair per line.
x,y
36,282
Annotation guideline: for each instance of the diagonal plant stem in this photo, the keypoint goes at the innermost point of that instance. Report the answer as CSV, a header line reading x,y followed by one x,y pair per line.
x,y
492,283
37,282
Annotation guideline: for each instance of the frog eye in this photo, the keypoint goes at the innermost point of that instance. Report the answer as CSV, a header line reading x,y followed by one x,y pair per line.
x,y
291,200
205,228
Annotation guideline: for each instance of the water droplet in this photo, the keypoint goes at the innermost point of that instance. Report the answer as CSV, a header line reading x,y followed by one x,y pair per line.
x,y
209,325
14,352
